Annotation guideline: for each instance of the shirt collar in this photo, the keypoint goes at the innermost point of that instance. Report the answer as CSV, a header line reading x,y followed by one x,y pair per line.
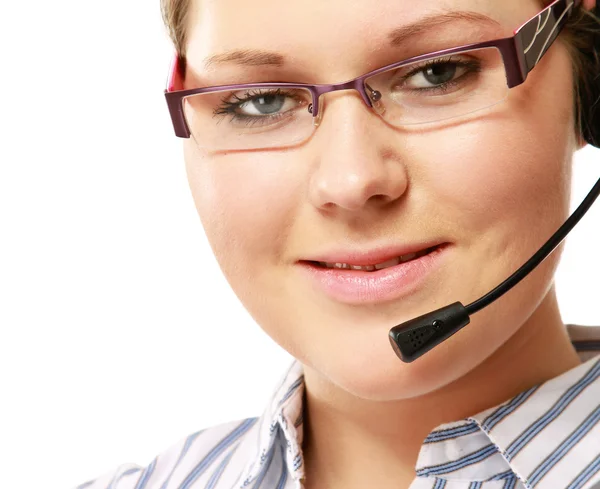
x,y
550,430
530,435
281,421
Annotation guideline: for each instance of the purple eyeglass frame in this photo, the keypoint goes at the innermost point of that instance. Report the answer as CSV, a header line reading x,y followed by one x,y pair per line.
x,y
520,54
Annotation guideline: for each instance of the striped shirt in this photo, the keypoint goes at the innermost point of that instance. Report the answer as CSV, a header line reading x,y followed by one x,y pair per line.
x,y
547,437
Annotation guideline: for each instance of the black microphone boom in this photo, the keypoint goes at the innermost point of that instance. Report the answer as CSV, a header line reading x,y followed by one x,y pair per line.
x,y
414,338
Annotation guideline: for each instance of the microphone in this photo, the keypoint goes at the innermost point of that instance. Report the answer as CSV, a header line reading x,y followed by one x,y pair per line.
x,y
414,338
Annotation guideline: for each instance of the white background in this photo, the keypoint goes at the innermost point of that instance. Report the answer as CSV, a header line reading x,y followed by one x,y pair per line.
x,y
118,334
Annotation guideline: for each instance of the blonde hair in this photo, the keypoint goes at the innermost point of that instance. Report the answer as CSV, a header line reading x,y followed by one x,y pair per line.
x,y
175,17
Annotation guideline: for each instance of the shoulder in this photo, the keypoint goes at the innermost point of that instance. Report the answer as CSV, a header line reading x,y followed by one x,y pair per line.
x,y
217,454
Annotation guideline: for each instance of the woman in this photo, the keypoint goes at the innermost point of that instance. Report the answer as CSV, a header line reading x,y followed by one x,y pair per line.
x,y
336,216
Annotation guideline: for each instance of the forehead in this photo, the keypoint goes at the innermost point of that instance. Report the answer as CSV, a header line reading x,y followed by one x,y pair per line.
x,y
328,34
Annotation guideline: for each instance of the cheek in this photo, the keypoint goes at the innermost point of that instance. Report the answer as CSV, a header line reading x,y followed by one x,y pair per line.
x,y
503,170
246,202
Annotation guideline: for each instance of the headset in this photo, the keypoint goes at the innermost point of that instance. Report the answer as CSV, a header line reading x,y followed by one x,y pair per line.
x,y
414,338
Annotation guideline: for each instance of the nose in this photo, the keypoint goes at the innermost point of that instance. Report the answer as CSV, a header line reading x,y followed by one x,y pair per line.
x,y
358,160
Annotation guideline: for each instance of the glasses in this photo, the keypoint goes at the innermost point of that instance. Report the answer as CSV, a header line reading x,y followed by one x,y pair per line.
x,y
426,89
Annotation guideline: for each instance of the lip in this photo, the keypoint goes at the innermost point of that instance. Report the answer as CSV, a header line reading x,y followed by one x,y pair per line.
x,y
372,257
362,287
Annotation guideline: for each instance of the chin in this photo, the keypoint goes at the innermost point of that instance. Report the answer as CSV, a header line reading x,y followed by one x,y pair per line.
x,y
372,371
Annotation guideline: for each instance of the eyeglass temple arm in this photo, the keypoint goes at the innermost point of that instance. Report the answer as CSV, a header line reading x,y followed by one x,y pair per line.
x,y
535,37
174,80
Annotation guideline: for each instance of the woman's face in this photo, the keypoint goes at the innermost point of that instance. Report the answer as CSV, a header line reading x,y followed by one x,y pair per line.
x,y
491,189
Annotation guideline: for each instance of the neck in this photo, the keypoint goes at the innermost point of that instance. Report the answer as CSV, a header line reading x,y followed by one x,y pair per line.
x,y
362,443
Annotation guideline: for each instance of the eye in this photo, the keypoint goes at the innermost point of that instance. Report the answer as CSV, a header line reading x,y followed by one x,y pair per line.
x,y
440,73
267,104
437,75
262,103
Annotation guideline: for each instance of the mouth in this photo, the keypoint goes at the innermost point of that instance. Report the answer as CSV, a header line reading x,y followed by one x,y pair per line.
x,y
392,262
377,276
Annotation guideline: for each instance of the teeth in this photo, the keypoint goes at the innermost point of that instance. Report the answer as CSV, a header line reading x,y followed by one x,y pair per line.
x,y
371,268
410,256
390,263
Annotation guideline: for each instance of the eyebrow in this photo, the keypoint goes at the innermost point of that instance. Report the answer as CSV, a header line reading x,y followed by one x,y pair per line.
x,y
255,57
402,34
247,57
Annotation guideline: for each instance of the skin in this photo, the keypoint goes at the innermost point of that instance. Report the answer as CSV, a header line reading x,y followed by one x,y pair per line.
x,y
495,187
